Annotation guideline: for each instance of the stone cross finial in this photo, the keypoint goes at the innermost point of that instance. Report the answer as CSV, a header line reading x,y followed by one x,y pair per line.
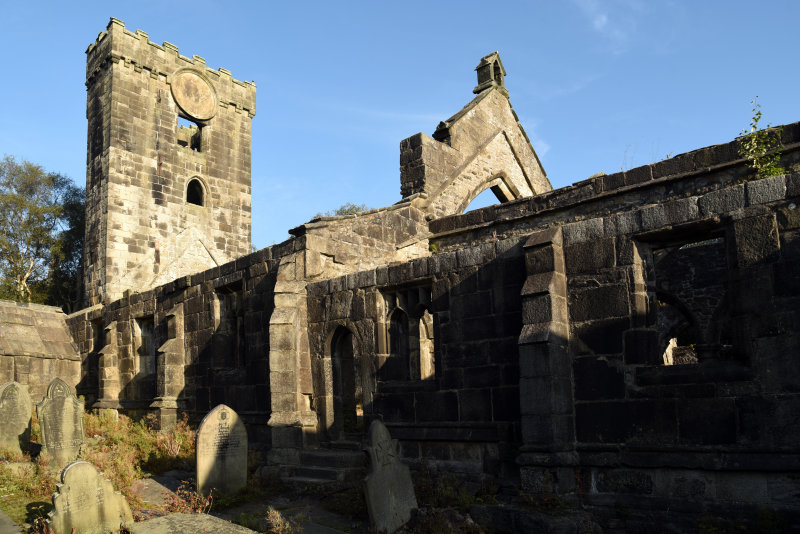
x,y
491,73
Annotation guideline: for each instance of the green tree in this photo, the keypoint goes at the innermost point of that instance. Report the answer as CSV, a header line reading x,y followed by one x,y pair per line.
x,y
65,276
348,208
41,233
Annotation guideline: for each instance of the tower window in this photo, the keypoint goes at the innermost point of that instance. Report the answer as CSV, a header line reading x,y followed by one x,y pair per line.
x,y
189,133
195,193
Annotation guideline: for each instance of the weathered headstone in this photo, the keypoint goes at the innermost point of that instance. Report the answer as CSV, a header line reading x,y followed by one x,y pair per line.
x,y
86,501
15,418
61,418
388,488
221,452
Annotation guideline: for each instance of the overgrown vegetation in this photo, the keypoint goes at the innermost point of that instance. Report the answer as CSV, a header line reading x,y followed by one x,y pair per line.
x,y
25,489
761,146
123,449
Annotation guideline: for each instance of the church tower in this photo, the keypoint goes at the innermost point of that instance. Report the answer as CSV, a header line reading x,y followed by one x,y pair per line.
x,y
168,165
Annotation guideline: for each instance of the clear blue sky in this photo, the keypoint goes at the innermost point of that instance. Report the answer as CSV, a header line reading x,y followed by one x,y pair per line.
x,y
599,85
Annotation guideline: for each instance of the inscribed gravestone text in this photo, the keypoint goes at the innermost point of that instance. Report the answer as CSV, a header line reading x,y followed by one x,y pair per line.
x,y
15,418
221,452
61,418
86,502
388,488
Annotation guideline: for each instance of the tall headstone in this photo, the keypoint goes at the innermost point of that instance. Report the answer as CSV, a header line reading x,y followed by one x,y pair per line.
x,y
221,452
86,502
388,488
15,418
61,418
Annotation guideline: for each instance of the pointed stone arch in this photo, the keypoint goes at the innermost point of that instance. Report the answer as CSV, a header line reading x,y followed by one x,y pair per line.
x,y
342,401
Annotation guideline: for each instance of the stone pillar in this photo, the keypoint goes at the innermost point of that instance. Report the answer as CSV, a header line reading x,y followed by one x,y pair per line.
x,y
293,423
545,389
170,369
108,371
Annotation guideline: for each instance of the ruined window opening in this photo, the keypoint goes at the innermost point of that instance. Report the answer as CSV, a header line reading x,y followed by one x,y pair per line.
x,y
144,365
189,133
426,359
98,339
407,351
397,366
228,341
347,392
195,193
688,282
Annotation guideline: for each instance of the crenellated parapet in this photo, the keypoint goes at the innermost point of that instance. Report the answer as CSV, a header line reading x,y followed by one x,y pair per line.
x,y
135,50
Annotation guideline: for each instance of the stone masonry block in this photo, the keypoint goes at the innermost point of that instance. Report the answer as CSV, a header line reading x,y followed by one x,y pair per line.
x,y
544,259
792,185
756,240
628,222
654,217
639,175
544,360
547,282
542,237
582,231
590,256
599,303
766,190
722,201
553,331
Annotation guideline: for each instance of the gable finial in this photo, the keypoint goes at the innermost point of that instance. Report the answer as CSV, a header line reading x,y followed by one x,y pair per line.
x,y
491,73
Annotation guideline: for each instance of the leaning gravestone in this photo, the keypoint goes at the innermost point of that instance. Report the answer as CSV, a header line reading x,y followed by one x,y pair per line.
x,y
388,488
86,502
15,418
61,418
221,452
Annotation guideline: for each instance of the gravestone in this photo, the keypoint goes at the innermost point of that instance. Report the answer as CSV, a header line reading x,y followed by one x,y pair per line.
x,y
86,501
61,419
221,452
15,418
387,487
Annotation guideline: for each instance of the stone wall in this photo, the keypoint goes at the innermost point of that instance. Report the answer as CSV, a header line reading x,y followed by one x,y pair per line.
x,y
463,413
602,417
36,347
163,201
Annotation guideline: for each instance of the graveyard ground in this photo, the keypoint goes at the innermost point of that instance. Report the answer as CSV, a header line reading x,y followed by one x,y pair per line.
x,y
154,471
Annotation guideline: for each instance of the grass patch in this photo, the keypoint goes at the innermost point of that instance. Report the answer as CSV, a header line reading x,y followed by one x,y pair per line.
x,y
123,449
25,490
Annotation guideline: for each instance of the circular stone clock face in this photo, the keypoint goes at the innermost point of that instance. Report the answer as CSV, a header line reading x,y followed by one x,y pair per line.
x,y
194,95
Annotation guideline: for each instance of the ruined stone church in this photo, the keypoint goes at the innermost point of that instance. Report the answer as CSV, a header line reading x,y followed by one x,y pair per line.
x,y
633,338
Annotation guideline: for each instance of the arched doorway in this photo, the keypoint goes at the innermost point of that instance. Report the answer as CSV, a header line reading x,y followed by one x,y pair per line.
x,y
347,397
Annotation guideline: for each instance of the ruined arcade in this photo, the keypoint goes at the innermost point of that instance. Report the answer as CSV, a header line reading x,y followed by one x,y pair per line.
x,y
630,340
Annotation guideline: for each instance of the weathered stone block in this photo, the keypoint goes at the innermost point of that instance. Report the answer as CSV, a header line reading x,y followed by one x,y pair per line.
x,y
582,231
756,240
598,303
543,259
766,190
590,256
722,201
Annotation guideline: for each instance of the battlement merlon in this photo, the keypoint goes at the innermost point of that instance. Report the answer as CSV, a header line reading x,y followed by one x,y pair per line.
x,y
136,50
